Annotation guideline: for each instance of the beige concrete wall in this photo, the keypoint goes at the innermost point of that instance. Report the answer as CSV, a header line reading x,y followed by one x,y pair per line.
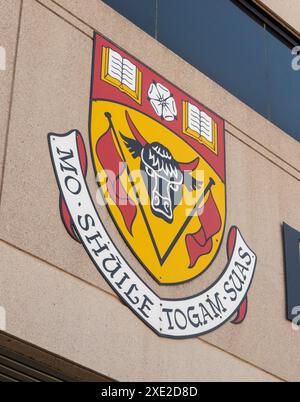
x,y
75,320
9,23
53,294
286,10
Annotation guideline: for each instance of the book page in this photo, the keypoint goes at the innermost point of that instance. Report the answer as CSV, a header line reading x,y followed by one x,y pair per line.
x,y
194,122
200,122
206,126
115,65
129,73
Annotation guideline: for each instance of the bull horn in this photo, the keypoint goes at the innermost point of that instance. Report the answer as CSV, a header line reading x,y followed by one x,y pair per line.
x,y
189,166
134,130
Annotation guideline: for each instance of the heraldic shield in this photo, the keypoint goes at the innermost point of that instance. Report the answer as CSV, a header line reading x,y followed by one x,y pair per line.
x,y
159,157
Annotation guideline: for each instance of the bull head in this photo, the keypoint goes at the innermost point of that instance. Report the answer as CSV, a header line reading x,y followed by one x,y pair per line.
x,y
162,174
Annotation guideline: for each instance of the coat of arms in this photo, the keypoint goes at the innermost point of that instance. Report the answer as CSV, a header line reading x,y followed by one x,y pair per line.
x,y
159,159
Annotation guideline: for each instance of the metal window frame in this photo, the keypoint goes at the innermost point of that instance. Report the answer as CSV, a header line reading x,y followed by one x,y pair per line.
x,y
291,239
256,9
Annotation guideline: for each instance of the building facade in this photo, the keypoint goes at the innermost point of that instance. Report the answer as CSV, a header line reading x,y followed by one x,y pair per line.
x,y
59,316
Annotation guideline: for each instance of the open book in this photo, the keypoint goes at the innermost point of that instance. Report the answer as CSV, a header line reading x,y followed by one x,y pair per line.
x,y
121,73
199,125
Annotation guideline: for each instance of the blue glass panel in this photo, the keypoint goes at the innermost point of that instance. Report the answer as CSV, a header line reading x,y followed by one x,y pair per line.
x,y
284,87
222,41
140,12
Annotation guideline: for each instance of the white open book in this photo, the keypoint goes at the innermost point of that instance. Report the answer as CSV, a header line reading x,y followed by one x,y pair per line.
x,y
121,73
199,125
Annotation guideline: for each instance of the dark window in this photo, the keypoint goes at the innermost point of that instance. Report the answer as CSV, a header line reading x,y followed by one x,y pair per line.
x,y
284,87
221,41
140,12
232,42
291,239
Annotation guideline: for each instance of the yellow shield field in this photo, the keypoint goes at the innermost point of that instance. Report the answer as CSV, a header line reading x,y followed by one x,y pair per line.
x,y
159,245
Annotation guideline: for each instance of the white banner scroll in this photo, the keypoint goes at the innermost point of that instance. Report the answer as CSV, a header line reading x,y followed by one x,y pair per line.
x,y
176,318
